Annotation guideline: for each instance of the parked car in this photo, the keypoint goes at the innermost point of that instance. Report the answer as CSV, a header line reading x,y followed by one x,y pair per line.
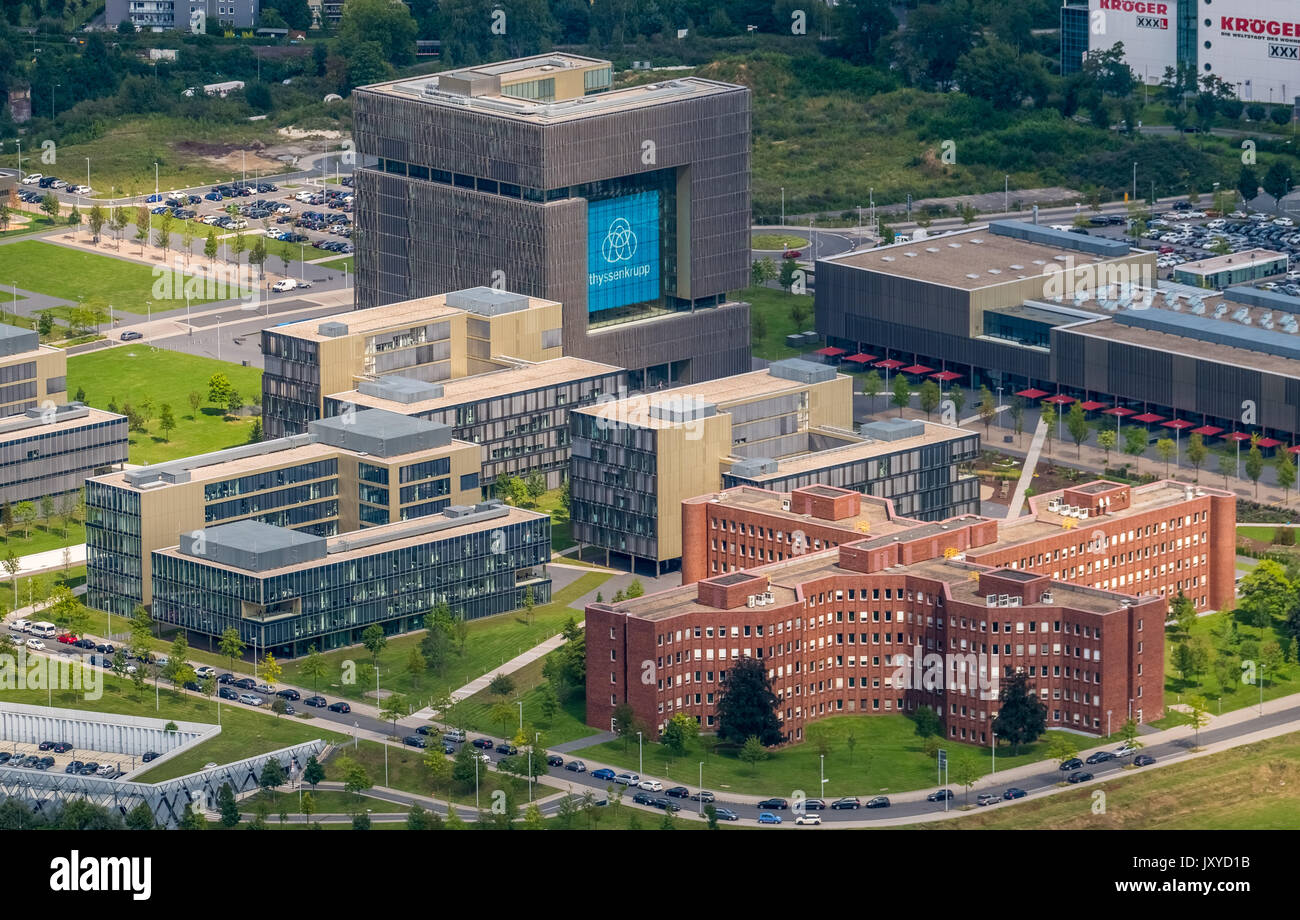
x,y
604,773
1143,760
484,743
678,792
415,741
193,685
986,798
35,644
74,767
149,755
32,178
879,801
576,766
1100,757
288,693
807,818
940,796
554,760
226,678
627,779
1073,763
244,683
250,700
726,814
339,707
814,805
227,694
851,802
45,746
504,747
1125,750
288,284
205,672
651,785
767,817
702,796
449,749
643,798
61,747
1082,776
792,254
779,804
318,701
1014,793
666,805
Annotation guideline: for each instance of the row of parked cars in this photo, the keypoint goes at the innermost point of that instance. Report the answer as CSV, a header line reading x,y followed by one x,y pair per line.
x,y
55,183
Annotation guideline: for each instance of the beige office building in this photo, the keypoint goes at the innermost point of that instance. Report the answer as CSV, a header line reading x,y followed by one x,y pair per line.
x,y
31,374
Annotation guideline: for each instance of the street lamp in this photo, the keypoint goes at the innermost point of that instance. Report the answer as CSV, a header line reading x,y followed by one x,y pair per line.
x,y
701,789
1006,194
521,715
640,755
995,754
782,190
1108,723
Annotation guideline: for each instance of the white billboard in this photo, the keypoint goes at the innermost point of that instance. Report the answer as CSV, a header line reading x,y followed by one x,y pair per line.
x,y
1253,45
1148,29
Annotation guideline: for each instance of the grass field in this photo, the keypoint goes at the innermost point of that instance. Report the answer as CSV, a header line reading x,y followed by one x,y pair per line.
x,y
777,241
771,313
74,576
339,264
1281,680
1264,532
492,641
887,756
134,373
42,537
568,723
77,275
1247,788
406,772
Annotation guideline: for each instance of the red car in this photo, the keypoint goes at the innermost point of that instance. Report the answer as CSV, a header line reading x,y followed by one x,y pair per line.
x,y
68,639
1165,250
792,254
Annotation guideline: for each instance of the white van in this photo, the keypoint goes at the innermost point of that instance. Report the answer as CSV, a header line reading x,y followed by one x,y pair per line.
x,y
21,625
44,630
454,735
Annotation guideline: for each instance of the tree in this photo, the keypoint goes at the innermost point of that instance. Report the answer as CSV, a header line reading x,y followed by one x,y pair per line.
x,y
1166,449
355,778
1183,612
1227,465
210,247
1018,415
1254,463
416,665
1183,659
1265,595
1106,441
142,229
392,708
1062,747
272,777
1197,452
634,589
165,221
902,394
166,421
680,731
1022,717
501,685
930,397
195,399
464,769
786,278
746,704
94,219
1129,732
1277,181
1135,443
1248,184
1000,74
548,701
117,222
231,645
1077,425
529,603
219,389
50,205
966,771
460,627
382,22
987,408
257,255
187,239
625,722
313,772
502,714
375,641
227,806
238,246
752,752
872,386
762,271
927,722
1198,714
24,514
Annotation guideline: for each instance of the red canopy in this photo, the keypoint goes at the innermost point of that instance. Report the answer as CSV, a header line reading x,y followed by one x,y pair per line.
x,y
1091,405
1268,442
1293,450
1118,410
917,369
1060,399
1179,423
1148,418
1031,393
860,358
829,351
1207,431
1238,436
889,364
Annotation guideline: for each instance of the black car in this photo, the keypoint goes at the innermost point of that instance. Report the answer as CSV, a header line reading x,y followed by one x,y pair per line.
x,y
667,805
245,683
45,746
678,792
554,760
643,798
850,801
88,769
726,814
4,757
61,748
226,693
226,678
1073,763
778,804
1143,760
415,741
149,755
75,766
317,701
289,694
448,749
506,748
45,763
941,796
105,649
484,743
701,796
879,801
1079,777
814,805
339,707
1014,793
1100,757
84,643
193,685
425,730
576,766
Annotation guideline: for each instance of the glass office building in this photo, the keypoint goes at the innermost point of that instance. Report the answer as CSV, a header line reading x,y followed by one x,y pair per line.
x,y
50,452
284,591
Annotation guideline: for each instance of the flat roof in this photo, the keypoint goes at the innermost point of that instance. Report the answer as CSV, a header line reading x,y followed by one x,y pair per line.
x,y
417,312
1244,259
519,377
403,538
14,427
526,68
861,450
951,259
722,392
873,512
1193,348
426,90
289,456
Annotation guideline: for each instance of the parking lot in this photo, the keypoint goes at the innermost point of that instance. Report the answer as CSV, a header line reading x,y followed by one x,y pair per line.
x,y
55,756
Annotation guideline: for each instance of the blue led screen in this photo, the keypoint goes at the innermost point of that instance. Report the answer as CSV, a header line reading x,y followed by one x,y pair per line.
x,y
622,251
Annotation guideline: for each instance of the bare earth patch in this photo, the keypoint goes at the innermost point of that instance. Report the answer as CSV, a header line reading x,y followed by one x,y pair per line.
x,y
231,157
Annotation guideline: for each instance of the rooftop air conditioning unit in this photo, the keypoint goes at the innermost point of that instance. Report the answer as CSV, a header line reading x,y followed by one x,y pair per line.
x,y
785,504
1015,601
991,600
1083,514
1053,504
751,601
768,598
1004,600
1046,597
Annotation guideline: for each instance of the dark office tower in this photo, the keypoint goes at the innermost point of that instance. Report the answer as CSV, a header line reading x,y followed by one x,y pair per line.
x,y
630,207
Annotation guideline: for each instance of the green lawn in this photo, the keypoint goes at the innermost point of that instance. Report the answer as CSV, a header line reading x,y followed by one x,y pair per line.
x,y
492,641
777,241
327,802
76,275
339,264
1264,532
1246,788
73,577
42,537
568,724
771,314
1217,628
888,756
406,772
134,373
561,530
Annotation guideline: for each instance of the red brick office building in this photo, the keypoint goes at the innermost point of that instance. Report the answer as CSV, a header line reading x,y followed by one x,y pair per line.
x,y
857,610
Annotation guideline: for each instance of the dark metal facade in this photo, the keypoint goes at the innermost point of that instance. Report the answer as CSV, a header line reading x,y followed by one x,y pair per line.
x,y
418,237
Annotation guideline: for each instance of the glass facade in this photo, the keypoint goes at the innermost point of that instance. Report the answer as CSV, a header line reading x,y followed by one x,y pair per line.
x,y
290,384
614,486
113,558
330,603
42,460
1074,37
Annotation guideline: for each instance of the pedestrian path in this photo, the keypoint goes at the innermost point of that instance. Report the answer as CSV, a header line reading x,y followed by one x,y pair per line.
x,y
51,559
1027,471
